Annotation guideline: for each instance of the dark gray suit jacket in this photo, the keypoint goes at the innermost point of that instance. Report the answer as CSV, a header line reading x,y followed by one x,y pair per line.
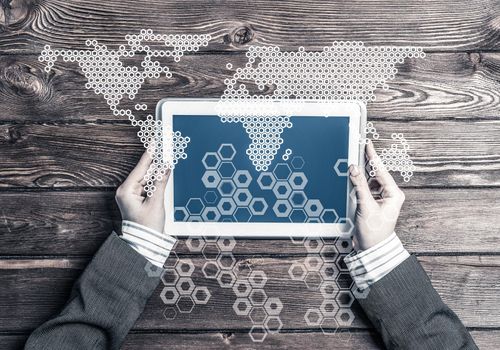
x,y
111,293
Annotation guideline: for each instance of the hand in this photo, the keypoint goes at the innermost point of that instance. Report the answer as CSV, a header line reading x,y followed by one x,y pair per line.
x,y
133,202
375,218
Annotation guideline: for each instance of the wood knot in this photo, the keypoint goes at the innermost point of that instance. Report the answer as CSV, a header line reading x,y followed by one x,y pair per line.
x,y
13,135
14,11
242,35
475,57
24,82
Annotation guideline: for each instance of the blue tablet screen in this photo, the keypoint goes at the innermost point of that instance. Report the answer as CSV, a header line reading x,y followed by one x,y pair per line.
x,y
218,182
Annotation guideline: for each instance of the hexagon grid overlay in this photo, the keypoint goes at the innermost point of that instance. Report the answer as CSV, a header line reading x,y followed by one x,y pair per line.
x,y
323,270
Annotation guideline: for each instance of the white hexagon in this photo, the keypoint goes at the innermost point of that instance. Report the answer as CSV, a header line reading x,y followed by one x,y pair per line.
x,y
211,197
273,324
266,180
329,290
297,271
258,206
226,188
345,298
313,245
153,270
195,244
211,160
314,207
226,260
242,288
226,151
185,304
329,271
226,279
242,214
329,308
226,170
185,267
180,214
347,227
242,178
282,208
298,181
195,206
185,285
313,263
210,269
273,306
169,295
258,278
258,315
210,214
169,277
338,164
344,245
298,215
201,295
329,216
258,334
258,297
211,179
298,199
226,206
282,171
344,317
242,306
226,243
242,197
298,162
282,190
313,317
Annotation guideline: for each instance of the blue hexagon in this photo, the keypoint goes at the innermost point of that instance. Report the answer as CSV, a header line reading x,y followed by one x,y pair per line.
x,y
282,208
298,162
282,190
298,180
226,206
282,171
226,151
211,160
210,197
210,214
242,197
180,214
226,170
242,214
298,215
329,216
298,199
242,178
258,206
195,206
210,178
266,180
226,188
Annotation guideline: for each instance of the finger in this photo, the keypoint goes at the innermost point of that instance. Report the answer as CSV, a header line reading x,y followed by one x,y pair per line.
x,y
161,185
360,184
382,174
137,174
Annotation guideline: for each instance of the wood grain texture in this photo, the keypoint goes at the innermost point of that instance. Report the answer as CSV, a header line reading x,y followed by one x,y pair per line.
x,y
76,223
486,340
441,86
435,25
459,153
35,289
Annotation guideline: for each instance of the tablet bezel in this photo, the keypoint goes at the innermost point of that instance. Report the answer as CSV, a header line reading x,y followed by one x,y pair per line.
x,y
356,111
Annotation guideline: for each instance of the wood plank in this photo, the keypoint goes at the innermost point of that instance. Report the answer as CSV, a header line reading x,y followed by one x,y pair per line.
x,y
468,284
451,154
485,339
76,223
441,86
436,25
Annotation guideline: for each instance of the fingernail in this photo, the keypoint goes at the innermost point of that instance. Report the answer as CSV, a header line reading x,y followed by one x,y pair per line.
x,y
353,169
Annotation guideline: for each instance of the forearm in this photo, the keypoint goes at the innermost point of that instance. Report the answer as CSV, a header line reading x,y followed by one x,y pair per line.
x,y
403,305
104,303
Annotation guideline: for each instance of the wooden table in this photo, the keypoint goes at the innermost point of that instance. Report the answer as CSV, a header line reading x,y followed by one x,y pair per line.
x,y
62,154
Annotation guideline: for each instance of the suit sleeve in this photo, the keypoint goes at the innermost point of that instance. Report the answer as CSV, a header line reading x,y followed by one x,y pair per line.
x,y
104,303
409,313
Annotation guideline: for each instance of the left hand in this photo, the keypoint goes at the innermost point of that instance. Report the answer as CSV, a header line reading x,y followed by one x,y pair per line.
x,y
133,202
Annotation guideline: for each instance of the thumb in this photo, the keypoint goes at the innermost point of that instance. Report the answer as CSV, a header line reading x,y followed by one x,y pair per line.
x,y
360,184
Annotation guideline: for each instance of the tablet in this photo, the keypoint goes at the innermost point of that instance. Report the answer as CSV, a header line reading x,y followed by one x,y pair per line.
x,y
236,182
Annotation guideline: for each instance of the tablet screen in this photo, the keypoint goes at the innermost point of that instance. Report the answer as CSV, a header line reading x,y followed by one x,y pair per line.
x,y
218,182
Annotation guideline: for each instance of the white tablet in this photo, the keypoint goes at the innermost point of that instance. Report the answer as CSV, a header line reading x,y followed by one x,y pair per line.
x,y
277,176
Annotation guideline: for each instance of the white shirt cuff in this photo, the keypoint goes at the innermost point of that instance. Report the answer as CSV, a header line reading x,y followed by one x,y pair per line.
x,y
151,244
368,266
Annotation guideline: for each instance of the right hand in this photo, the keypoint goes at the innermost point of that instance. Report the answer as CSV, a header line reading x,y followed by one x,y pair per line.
x,y
375,218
